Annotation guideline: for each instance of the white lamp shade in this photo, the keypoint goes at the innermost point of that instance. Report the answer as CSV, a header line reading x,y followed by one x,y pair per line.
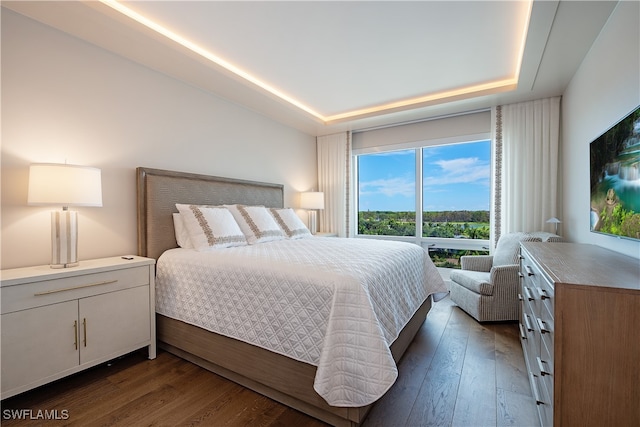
x,y
312,200
64,185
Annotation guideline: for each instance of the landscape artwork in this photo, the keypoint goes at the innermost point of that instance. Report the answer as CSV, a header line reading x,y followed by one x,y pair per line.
x,y
615,179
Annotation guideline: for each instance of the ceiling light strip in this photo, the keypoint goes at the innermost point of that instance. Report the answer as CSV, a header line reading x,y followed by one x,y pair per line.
x,y
206,54
427,98
523,40
349,114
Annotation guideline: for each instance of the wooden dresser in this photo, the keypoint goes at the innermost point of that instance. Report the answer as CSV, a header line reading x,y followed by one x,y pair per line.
x,y
580,332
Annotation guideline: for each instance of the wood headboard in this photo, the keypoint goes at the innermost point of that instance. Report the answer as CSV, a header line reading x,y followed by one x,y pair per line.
x,y
159,190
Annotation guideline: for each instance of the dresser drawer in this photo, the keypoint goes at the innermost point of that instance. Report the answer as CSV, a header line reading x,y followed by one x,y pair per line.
x,y
40,293
545,409
546,293
531,285
545,324
532,342
546,356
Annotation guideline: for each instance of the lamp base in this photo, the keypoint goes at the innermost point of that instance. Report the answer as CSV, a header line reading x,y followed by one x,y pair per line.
x,y
64,239
75,264
313,222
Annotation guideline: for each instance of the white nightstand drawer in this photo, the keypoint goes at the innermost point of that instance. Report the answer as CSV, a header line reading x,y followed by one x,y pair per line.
x,y
37,294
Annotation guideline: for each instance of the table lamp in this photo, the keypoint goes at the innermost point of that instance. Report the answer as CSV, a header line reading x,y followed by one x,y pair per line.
x,y
554,221
64,185
312,201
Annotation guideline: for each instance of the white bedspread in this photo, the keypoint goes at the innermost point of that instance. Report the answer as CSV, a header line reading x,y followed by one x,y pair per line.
x,y
335,303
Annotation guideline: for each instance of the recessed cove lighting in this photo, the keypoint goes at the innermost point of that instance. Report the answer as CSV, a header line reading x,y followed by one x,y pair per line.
x,y
495,86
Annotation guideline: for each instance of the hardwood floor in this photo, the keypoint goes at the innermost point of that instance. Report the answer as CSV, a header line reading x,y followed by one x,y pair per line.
x,y
457,372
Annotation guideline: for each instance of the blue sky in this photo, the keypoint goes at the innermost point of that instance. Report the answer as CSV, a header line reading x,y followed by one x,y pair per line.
x,y
455,177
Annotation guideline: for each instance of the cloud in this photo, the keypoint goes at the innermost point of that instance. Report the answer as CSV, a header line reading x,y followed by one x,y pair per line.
x,y
464,170
399,186
394,153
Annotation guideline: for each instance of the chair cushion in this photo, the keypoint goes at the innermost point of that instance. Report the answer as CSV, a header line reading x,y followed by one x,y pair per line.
x,y
508,247
476,281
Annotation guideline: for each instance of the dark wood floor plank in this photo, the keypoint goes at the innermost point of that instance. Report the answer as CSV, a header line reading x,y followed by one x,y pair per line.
x,y
435,403
290,418
516,410
132,412
511,369
130,388
476,400
395,406
231,407
195,390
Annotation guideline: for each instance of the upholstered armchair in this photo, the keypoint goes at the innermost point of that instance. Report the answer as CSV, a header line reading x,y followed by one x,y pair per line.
x,y
487,286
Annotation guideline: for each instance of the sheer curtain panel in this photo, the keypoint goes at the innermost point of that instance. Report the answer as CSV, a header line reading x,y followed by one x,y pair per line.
x,y
529,165
334,154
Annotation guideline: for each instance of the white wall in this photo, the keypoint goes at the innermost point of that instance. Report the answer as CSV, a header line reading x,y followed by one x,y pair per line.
x,y
605,88
66,100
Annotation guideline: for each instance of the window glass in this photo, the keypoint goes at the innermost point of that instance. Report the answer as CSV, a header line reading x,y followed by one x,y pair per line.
x,y
387,193
456,189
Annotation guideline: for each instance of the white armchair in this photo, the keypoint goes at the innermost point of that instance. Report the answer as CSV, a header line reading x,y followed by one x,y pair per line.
x,y
487,286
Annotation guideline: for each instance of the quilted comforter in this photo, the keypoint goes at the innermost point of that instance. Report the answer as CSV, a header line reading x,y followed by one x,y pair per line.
x,y
334,303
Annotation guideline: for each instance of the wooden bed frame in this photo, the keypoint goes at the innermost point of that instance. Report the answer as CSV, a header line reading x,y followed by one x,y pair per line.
x,y
278,377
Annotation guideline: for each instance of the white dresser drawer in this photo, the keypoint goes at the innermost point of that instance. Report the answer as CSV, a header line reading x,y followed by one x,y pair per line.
x,y
37,294
547,294
545,408
546,324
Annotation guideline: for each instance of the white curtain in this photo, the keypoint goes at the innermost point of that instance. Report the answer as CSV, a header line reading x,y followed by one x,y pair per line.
x,y
526,175
334,154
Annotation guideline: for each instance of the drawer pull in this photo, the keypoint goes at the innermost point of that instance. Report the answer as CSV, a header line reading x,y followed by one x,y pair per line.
x,y
527,324
528,269
542,326
543,294
534,388
541,367
527,293
523,334
84,326
53,291
75,334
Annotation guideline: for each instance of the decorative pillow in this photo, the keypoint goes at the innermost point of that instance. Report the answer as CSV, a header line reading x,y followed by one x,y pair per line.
x,y
182,235
290,223
257,223
211,227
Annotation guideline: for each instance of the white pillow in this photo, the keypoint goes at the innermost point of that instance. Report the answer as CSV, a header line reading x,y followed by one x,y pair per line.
x,y
211,227
290,223
182,235
257,223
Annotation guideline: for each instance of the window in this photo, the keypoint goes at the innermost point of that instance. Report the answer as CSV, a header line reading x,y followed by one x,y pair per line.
x,y
448,183
456,190
387,193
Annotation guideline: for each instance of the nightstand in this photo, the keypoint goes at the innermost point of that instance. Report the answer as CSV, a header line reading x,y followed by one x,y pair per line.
x,y
56,322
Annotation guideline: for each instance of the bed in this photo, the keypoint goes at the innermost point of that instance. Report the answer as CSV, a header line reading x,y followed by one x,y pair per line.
x,y
318,379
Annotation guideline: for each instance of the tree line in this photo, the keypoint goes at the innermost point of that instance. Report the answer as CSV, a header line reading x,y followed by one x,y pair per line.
x,y
447,224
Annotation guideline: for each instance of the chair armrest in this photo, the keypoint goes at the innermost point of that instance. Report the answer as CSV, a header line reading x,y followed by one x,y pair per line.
x,y
505,274
476,262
